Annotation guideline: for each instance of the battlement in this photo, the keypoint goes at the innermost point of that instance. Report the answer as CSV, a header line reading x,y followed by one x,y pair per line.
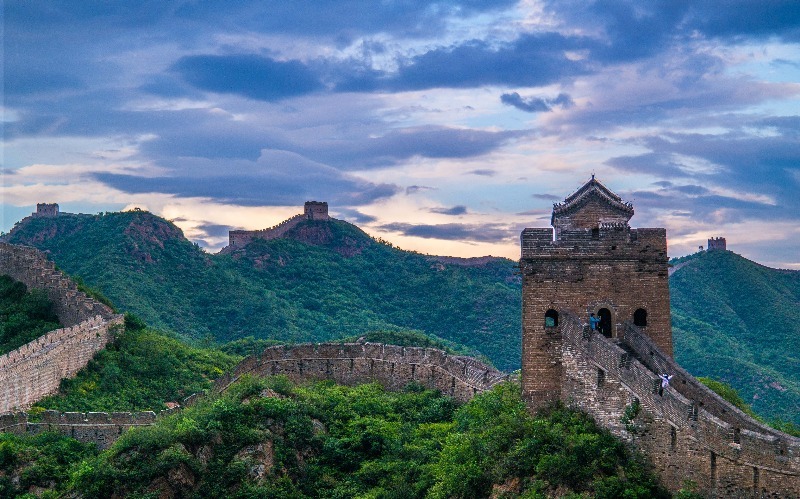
x,y
688,431
312,210
46,210
35,369
716,243
316,210
101,428
615,241
352,363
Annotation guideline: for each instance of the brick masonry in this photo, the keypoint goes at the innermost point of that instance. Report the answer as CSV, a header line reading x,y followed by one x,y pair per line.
x,y
35,369
352,363
591,261
312,210
101,428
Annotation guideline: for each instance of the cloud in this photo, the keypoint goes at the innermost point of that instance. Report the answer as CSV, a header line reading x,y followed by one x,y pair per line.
x,y
413,189
249,75
529,60
355,216
536,104
547,197
463,232
483,172
214,230
455,210
278,178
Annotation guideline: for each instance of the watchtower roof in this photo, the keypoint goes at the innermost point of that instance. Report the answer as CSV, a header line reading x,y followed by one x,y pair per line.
x,y
593,190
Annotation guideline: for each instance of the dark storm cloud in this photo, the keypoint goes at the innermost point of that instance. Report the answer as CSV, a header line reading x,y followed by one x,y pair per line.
x,y
252,76
455,210
455,232
536,104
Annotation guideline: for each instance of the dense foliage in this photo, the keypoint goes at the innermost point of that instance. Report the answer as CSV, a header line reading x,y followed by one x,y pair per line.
x,y
324,281
24,315
141,370
325,440
39,463
732,319
736,321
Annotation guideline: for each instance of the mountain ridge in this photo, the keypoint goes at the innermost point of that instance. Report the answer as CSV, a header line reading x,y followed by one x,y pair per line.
x,y
327,280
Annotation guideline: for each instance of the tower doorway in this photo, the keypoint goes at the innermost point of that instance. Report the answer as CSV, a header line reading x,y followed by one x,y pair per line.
x,y
605,322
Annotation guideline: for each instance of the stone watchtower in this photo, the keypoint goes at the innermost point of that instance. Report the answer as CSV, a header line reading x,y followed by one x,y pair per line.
x,y
316,210
46,210
590,261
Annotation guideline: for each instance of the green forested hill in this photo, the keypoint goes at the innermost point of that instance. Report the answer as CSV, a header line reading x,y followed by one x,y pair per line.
x,y
323,281
737,321
733,319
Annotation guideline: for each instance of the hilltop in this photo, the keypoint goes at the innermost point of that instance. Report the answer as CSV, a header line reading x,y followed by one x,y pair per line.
x,y
322,280
733,319
736,321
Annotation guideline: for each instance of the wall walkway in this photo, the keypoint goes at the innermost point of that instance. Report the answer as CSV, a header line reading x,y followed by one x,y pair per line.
x,y
688,431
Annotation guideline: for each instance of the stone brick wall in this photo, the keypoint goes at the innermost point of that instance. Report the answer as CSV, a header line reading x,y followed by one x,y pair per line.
x,y
688,432
716,243
35,369
46,210
613,267
101,428
316,210
352,363
32,268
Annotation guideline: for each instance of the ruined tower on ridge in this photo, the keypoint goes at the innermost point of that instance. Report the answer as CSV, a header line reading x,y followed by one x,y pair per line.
x,y
590,261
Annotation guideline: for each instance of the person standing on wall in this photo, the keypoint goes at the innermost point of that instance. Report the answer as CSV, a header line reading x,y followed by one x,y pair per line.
x,y
593,321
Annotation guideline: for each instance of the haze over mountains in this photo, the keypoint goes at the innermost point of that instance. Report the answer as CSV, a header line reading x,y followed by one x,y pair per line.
x,y
732,318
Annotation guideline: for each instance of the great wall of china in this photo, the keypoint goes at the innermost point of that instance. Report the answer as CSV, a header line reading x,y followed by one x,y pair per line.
x,y
35,370
687,431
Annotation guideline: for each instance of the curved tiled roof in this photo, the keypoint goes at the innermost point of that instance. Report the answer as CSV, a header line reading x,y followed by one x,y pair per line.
x,y
592,187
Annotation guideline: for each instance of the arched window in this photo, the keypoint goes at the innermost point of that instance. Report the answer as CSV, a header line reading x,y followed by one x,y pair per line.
x,y
605,322
551,318
640,317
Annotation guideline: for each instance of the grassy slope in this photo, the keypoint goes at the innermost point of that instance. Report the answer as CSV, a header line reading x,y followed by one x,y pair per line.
x,y
284,289
736,321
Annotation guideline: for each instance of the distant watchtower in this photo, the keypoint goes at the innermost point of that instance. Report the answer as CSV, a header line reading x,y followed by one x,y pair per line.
x,y
316,210
46,210
591,261
716,243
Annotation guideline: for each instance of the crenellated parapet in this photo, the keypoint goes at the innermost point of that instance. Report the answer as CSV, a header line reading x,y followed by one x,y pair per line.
x,y
352,363
687,430
101,428
312,210
36,369
32,268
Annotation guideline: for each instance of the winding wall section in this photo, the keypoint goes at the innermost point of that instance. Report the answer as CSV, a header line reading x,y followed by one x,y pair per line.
x,y
352,363
35,369
688,431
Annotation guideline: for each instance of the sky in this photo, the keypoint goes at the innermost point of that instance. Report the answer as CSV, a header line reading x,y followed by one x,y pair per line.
x,y
443,127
